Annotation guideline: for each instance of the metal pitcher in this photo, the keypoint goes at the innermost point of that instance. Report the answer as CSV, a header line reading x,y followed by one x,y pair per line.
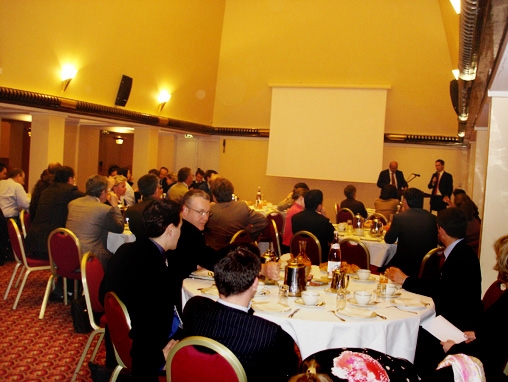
x,y
340,281
294,277
358,222
376,228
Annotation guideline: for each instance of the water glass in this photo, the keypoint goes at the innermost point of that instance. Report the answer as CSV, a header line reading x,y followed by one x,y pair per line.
x,y
350,226
284,294
341,301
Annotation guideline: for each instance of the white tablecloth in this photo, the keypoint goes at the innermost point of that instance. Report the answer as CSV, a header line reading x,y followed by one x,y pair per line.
x,y
315,329
115,240
380,251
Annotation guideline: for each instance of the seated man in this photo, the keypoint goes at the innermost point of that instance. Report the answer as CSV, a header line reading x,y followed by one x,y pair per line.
x,y
350,202
150,188
266,352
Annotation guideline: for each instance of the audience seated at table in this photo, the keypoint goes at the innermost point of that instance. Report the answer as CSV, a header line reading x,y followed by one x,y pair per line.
x,y
488,341
298,205
210,175
287,202
150,189
415,232
229,216
388,201
51,211
44,181
266,352
350,202
13,197
178,190
141,276
456,293
128,198
311,219
91,220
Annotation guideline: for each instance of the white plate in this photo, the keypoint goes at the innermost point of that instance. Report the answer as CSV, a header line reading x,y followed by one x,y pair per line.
x,y
270,307
203,274
353,302
371,279
300,302
408,303
356,313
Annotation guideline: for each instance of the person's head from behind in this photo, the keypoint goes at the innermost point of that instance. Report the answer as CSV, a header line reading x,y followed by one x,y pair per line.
x,y
97,186
222,189
453,221
501,266
237,272
350,191
466,205
64,174
196,208
301,185
210,175
148,186
388,191
154,171
3,171
161,219
313,199
113,170
414,197
185,175
123,171
299,193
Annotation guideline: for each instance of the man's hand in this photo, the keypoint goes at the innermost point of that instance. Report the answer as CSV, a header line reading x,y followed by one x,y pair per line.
x,y
396,275
168,347
447,345
271,270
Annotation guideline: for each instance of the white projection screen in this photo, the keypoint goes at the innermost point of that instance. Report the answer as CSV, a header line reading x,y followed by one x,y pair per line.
x,y
329,133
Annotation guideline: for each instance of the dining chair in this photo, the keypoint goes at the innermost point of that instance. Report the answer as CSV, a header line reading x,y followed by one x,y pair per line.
x,y
241,236
431,263
216,364
23,260
278,218
119,325
342,215
312,249
65,259
353,251
377,215
275,236
26,220
92,274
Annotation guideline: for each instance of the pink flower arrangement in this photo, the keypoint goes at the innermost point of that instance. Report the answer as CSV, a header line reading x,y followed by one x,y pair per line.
x,y
358,367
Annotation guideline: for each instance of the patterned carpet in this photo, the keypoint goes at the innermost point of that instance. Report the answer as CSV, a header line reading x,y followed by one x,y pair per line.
x,y
36,350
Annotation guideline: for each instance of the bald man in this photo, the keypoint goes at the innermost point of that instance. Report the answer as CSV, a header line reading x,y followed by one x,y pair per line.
x,y
393,176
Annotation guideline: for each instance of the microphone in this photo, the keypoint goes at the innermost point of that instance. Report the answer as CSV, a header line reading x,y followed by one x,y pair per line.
x,y
418,175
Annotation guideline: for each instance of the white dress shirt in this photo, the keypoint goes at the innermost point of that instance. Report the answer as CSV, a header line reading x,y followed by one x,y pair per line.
x,y
13,198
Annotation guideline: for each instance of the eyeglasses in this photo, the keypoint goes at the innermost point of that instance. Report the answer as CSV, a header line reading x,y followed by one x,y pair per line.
x,y
201,212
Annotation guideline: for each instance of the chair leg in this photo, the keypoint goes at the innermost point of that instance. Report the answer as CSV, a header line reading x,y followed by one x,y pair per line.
x,y
19,279
12,279
85,351
46,297
21,289
114,376
65,289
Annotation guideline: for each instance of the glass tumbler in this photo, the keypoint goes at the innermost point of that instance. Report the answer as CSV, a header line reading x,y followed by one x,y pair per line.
x,y
283,294
341,301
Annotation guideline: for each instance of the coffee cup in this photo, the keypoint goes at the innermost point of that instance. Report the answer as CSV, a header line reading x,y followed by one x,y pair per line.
x,y
363,274
310,297
391,289
363,297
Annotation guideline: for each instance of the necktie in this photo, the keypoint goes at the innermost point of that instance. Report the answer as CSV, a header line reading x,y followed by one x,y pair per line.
x,y
393,180
436,186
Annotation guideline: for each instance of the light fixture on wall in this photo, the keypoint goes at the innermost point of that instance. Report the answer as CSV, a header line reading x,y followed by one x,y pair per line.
x,y
456,5
119,140
163,98
68,73
188,136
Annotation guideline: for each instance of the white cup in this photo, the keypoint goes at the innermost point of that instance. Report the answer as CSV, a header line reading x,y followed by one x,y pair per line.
x,y
363,297
363,274
391,289
310,297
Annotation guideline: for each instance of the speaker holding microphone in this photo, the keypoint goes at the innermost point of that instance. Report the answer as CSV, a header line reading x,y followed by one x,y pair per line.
x,y
124,91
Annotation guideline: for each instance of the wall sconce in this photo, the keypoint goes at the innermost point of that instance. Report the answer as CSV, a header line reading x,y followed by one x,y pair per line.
x,y
456,5
119,140
163,98
188,136
68,73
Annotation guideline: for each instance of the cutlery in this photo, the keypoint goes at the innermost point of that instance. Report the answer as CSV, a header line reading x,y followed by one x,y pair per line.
x,y
206,287
293,313
335,314
380,316
403,310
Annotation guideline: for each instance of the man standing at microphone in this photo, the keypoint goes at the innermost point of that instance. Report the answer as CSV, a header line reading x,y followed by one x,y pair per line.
x,y
441,184
392,176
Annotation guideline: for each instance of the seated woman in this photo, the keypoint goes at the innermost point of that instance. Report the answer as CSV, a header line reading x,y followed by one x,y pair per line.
x,y
388,201
488,342
117,184
350,202
297,206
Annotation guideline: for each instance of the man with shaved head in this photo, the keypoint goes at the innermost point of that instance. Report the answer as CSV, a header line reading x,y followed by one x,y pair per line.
x,y
392,176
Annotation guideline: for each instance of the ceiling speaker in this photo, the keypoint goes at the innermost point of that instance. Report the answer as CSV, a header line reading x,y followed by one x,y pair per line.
x,y
124,91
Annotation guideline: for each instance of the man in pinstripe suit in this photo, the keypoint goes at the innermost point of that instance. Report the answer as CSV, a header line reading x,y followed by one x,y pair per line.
x,y
266,351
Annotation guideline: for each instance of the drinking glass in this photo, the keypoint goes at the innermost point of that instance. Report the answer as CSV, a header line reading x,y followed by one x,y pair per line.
x,y
349,226
283,294
341,301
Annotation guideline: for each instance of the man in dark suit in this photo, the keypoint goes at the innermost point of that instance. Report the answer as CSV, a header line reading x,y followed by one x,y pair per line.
x,y
266,352
456,293
392,176
150,188
311,219
416,232
441,184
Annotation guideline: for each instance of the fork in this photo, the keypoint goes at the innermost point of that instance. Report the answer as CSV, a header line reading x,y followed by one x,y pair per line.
x,y
402,310
380,316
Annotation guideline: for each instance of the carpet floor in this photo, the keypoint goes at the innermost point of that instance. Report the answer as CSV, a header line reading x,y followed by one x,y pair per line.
x,y
36,350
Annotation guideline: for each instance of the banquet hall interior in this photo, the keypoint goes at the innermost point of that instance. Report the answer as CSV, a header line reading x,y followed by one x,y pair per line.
x,y
268,93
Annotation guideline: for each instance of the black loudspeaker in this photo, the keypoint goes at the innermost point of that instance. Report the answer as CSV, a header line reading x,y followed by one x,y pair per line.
x,y
454,95
124,91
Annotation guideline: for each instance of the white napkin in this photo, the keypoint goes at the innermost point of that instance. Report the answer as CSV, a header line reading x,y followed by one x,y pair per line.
x,y
270,307
354,312
409,302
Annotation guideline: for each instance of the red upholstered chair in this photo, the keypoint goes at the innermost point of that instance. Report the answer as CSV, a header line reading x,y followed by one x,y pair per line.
x,y
381,217
355,252
92,274
65,259
266,234
22,260
342,215
26,220
312,249
119,325
187,363
241,236
431,263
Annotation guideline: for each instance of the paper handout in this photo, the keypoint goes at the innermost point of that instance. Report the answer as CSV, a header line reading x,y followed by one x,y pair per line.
x,y
444,330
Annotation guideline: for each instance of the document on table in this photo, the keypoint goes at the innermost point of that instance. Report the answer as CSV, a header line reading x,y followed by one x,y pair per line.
x,y
444,330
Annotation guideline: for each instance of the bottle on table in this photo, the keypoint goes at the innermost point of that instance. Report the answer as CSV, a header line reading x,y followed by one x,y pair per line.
x,y
258,197
302,258
334,255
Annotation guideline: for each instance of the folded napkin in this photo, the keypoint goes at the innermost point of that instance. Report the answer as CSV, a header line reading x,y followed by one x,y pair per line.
x,y
409,302
270,307
355,312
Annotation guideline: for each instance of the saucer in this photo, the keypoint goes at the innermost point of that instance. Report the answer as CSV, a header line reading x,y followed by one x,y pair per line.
x,y
353,302
396,294
334,291
318,305
371,279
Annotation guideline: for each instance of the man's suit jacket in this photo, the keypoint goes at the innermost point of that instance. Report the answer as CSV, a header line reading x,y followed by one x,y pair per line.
x,y
317,224
415,231
445,188
354,205
134,214
91,220
385,178
230,217
138,274
264,349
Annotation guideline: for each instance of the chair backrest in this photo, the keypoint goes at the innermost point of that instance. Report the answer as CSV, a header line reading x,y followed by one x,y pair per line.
x,y
312,249
218,364
119,325
17,242
241,236
64,252
431,263
279,220
353,251
275,238
379,216
26,220
342,215
92,274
